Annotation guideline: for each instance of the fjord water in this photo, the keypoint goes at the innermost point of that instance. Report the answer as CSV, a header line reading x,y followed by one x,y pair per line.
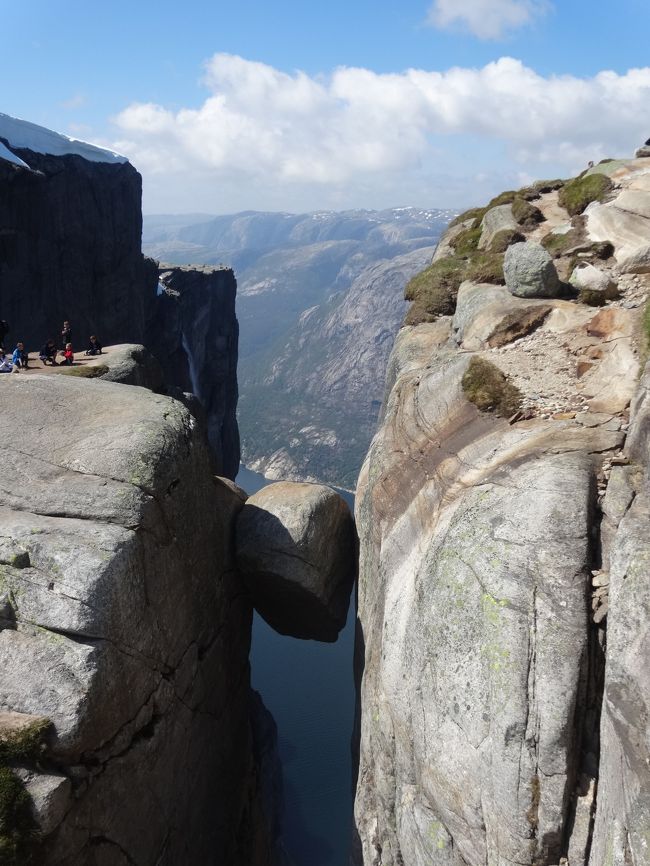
x,y
309,689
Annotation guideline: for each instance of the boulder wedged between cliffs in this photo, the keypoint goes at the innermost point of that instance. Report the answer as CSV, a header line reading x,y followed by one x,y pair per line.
x,y
296,551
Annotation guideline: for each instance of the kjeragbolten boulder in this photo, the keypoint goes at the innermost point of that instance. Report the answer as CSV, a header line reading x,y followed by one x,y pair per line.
x,y
296,549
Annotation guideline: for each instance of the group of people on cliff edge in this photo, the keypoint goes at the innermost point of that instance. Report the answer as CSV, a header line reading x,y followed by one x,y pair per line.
x,y
19,359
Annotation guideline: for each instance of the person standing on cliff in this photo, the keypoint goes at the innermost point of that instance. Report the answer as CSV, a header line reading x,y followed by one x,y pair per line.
x,y
66,335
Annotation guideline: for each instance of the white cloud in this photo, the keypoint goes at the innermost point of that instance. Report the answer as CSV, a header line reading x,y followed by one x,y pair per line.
x,y
487,19
265,138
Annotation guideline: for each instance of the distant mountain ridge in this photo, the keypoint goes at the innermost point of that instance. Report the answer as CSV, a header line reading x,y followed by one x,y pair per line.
x,y
320,298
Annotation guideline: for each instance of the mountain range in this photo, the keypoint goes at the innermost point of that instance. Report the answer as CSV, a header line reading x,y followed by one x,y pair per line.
x,y
320,298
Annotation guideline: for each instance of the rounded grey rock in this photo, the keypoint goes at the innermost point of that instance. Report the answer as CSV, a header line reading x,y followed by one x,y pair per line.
x,y
530,272
296,550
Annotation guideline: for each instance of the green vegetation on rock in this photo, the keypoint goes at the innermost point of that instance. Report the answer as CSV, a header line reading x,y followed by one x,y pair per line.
x,y
485,267
466,242
18,830
16,821
505,238
474,213
580,192
544,186
595,297
489,389
557,244
434,290
85,372
526,213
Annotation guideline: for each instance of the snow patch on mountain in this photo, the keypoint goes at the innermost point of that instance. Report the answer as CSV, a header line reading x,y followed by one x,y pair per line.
x,y
21,134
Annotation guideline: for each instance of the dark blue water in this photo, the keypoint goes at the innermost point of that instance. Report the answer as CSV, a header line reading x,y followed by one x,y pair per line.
x,y
309,689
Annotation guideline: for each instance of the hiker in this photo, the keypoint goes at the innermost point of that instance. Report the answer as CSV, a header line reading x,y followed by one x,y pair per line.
x,y
48,353
20,358
66,335
68,355
4,330
95,347
6,363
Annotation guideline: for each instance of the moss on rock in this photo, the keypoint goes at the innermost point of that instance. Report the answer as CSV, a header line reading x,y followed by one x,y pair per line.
x,y
23,743
17,826
85,372
485,267
580,192
489,389
475,213
18,830
434,290
466,242
544,186
505,238
558,244
526,213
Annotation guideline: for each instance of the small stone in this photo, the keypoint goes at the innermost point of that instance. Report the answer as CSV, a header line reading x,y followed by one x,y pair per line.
x,y
601,579
601,613
564,416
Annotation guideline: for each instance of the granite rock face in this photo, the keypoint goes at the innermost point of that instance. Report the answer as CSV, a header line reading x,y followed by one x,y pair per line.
x,y
623,806
495,220
127,364
296,549
124,624
530,272
474,570
503,605
70,249
194,334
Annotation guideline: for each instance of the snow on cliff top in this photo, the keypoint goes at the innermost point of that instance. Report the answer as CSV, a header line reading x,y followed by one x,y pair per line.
x,y
23,134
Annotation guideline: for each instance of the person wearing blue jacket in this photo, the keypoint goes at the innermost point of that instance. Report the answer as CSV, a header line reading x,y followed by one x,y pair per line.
x,y
20,357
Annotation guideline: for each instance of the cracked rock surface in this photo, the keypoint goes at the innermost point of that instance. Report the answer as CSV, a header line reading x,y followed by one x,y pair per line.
x,y
503,585
122,621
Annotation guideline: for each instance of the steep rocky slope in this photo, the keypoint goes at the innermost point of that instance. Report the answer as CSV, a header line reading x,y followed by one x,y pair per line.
x,y
307,283
503,518
124,625
194,334
309,405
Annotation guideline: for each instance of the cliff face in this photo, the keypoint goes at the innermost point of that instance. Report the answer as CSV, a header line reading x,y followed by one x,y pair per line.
x,y
194,333
504,560
70,248
125,625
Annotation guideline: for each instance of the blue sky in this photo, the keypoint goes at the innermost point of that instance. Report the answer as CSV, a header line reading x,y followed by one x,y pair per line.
x,y
245,130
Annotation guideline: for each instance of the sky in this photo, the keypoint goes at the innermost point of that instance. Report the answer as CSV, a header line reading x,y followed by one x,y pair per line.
x,y
294,105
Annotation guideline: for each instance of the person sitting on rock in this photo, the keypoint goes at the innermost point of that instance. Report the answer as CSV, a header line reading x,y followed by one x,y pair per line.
x,y
20,358
95,347
68,355
48,353
66,335
6,363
